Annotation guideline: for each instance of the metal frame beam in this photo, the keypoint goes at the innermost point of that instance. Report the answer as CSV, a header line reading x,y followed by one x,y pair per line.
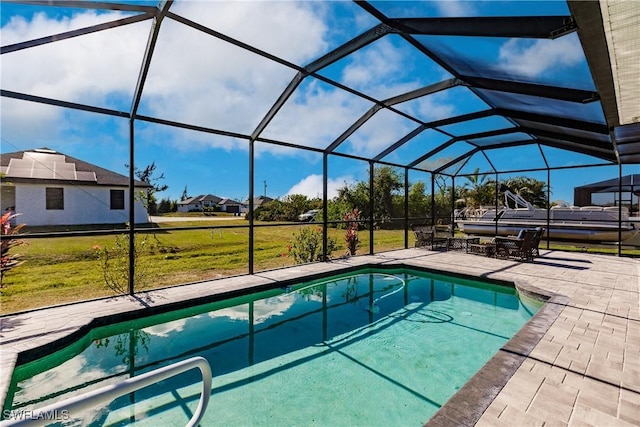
x,y
76,33
543,91
63,104
542,27
553,120
349,47
354,127
431,153
84,4
148,54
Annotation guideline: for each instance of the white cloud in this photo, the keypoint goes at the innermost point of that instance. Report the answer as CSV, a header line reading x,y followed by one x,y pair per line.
x,y
531,59
455,8
86,68
385,69
263,310
316,115
369,66
435,107
294,31
197,79
194,78
311,186
165,330
378,133
73,372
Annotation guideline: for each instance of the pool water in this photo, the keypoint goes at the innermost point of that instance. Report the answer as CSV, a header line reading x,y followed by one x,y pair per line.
x,y
369,348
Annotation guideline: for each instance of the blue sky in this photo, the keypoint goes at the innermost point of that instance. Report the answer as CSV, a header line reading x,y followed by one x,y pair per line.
x,y
203,81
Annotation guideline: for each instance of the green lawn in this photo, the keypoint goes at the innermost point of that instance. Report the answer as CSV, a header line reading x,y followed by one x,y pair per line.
x,y
67,269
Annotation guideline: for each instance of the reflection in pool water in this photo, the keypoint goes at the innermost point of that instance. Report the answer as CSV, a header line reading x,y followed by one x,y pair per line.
x,y
368,348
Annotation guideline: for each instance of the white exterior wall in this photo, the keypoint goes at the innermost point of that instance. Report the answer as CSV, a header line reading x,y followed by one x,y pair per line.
x,y
188,208
82,205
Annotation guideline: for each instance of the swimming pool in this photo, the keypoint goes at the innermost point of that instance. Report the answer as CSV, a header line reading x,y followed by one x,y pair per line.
x,y
385,347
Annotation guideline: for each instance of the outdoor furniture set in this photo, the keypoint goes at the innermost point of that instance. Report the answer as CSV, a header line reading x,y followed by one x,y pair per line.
x,y
523,247
430,236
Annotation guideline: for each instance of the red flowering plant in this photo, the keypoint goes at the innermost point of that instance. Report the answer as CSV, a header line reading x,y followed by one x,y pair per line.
x,y
351,235
9,260
286,253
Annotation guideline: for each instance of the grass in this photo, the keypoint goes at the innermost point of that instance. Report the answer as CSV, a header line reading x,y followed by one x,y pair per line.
x,y
66,269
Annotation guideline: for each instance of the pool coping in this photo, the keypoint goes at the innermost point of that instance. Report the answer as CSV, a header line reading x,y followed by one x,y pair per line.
x,y
463,408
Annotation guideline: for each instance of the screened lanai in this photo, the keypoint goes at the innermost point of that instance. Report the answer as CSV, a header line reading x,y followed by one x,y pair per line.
x,y
250,99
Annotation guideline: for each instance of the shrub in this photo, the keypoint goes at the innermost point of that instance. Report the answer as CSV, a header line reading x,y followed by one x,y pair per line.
x,y
114,261
307,245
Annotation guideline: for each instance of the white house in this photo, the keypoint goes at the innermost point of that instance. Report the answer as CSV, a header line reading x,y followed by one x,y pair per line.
x,y
50,188
209,201
231,206
198,203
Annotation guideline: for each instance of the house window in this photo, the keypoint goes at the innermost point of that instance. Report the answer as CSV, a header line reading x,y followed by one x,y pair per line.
x,y
117,199
55,198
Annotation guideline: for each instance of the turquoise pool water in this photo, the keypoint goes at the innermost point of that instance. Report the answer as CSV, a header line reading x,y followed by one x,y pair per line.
x,y
371,348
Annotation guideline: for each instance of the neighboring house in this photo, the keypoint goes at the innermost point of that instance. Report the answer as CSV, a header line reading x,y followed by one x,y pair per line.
x,y
209,201
198,203
231,206
49,188
258,201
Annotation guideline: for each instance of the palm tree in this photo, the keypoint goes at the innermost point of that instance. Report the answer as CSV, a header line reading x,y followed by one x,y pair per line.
x,y
478,190
529,189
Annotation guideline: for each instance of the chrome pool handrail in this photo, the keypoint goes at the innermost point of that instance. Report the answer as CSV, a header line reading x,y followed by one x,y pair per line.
x,y
42,417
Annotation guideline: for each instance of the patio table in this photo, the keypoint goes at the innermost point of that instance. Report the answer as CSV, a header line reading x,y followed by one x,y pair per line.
x,y
461,243
486,249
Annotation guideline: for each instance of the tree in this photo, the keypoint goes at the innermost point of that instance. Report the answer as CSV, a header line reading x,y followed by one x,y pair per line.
x,y
184,196
530,189
165,205
354,196
442,195
146,175
286,209
336,209
478,190
418,200
387,182
295,204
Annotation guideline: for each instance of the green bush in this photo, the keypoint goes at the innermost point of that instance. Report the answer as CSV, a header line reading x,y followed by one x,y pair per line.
x,y
307,245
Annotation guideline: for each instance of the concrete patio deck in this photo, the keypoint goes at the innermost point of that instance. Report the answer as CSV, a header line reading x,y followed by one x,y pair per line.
x,y
578,362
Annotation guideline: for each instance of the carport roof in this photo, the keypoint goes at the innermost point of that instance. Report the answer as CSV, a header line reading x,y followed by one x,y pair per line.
x,y
628,183
586,103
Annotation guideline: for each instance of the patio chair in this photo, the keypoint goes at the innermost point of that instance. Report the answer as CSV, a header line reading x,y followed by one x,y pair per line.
x,y
518,248
535,251
428,235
